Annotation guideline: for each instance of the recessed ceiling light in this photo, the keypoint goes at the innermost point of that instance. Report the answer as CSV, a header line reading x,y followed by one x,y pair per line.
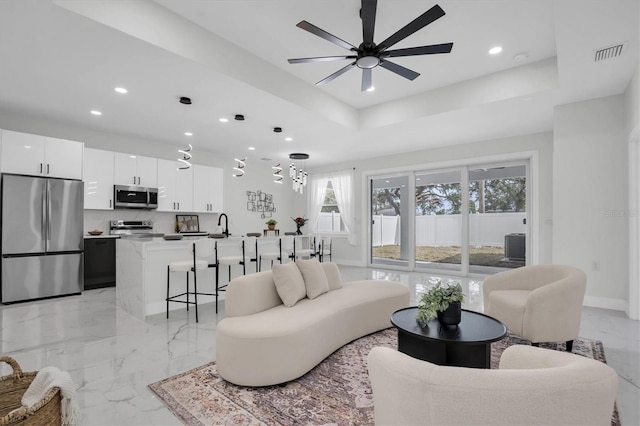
x,y
252,148
188,134
495,50
223,120
288,139
121,90
132,156
371,89
95,112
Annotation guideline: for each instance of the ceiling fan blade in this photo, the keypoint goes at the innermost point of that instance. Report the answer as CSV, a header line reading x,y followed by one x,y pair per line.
x,y
366,79
420,22
335,74
319,59
400,70
368,16
421,50
325,35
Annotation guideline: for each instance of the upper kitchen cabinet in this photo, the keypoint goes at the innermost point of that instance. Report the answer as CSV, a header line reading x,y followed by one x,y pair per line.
x,y
175,187
207,189
135,170
27,154
98,179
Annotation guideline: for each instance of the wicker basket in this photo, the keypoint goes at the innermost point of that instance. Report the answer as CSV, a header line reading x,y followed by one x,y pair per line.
x,y
12,387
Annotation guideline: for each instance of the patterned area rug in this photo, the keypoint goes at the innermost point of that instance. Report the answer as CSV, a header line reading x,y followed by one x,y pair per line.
x,y
336,392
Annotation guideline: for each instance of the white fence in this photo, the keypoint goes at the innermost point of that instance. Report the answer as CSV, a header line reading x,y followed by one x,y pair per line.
x,y
329,222
485,229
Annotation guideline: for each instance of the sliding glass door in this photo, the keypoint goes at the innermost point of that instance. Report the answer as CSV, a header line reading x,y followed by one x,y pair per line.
x,y
438,220
459,221
497,218
390,221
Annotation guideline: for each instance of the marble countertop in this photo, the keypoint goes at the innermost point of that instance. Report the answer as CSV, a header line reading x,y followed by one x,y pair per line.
x,y
91,237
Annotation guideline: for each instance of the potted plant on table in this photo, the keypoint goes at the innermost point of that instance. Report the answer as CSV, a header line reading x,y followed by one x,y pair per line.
x,y
442,302
271,224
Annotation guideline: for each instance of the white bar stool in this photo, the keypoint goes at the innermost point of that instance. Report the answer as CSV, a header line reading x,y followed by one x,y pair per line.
x,y
269,249
202,249
229,253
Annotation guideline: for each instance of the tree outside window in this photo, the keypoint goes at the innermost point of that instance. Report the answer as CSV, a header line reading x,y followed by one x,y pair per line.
x,y
330,220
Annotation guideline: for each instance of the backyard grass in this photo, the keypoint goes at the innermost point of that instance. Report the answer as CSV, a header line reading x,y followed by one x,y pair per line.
x,y
481,256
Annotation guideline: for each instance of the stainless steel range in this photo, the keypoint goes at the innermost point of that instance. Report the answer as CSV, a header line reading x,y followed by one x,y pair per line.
x,y
133,228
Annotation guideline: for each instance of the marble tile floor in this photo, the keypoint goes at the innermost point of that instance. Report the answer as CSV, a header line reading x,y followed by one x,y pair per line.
x,y
112,356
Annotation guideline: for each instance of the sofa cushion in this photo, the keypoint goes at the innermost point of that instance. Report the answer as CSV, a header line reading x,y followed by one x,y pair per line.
x,y
289,283
333,275
314,277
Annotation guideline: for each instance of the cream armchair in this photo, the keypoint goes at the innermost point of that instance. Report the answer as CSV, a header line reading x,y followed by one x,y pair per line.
x,y
532,386
541,303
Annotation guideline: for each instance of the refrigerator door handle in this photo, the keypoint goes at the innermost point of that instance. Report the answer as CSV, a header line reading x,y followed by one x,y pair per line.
x,y
48,213
43,217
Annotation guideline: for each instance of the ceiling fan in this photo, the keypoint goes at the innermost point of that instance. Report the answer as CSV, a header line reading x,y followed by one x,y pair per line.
x,y
369,55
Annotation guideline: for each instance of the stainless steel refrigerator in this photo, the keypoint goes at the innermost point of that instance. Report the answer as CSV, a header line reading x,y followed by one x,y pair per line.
x,y
42,241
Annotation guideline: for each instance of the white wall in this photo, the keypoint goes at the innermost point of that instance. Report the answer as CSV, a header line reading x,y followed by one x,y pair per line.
x,y
458,154
590,226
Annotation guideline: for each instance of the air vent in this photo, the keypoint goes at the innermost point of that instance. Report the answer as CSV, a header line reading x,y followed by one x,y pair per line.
x,y
608,53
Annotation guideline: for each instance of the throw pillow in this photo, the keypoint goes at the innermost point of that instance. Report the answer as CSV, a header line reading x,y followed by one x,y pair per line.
x,y
333,275
289,283
314,277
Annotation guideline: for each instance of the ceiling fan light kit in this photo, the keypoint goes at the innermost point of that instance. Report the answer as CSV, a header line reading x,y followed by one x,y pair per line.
x,y
368,55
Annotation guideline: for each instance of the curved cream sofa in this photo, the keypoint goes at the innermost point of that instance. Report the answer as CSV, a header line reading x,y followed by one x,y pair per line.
x,y
533,386
262,342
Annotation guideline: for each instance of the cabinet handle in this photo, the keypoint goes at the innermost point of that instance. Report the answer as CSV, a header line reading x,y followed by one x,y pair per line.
x,y
47,168
174,206
40,168
134,180
109,203
178,205
138,180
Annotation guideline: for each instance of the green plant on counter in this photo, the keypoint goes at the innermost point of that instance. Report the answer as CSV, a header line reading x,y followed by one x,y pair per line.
x,y
437,299
272,222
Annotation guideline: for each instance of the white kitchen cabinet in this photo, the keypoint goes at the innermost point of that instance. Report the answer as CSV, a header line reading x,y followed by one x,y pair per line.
x,y
175,187
24,153
135,170
207,189
98,179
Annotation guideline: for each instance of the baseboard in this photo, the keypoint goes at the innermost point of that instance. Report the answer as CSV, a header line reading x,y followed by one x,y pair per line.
x,y
605,303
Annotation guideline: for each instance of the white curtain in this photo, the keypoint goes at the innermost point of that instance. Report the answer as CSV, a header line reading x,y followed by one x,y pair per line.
x,y
343,189
317,189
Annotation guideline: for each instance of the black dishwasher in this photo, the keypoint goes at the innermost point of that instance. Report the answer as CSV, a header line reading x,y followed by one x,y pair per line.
x,y
99,263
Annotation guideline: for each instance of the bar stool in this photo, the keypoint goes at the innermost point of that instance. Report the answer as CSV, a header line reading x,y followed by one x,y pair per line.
x,y
202,249
324,248
229,253
251,247
303,246
269,249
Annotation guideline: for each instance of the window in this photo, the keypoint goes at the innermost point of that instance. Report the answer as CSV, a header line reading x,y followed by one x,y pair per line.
x,y
329,219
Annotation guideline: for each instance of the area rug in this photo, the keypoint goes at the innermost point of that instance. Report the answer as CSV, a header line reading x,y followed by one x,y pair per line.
x,y
336,392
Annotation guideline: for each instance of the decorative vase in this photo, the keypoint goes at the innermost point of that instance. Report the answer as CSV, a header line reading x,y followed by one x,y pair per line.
x,y
452,315
271,227
298,231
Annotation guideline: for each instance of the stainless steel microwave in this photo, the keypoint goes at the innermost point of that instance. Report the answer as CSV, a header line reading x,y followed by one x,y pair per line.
x,y
135,197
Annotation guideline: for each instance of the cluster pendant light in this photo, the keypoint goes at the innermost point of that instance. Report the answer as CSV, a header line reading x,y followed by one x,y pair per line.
x,y
296,171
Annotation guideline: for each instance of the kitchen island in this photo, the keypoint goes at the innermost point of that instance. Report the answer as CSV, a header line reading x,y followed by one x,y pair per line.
x,y
141,274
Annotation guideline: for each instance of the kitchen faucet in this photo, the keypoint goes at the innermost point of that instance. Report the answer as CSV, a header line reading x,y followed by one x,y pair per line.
x,y
226,224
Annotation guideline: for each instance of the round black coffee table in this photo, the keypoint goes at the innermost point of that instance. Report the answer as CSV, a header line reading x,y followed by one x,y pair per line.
x,y
466,345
